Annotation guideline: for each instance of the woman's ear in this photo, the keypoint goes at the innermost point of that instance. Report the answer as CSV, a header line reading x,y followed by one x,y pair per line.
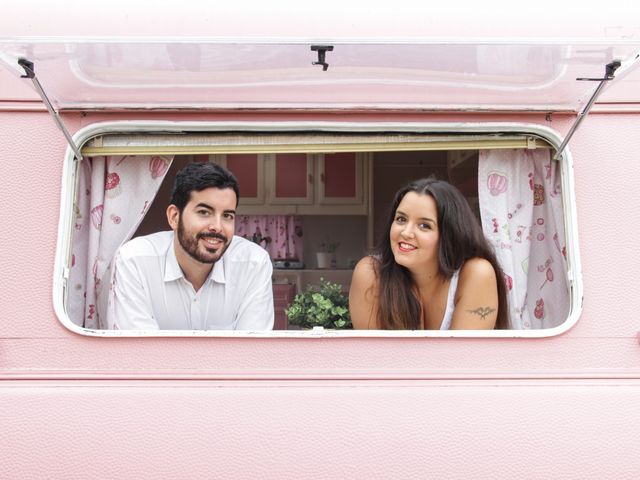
x,y
173,217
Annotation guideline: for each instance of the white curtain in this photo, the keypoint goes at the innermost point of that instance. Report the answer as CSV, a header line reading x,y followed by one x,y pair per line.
x,y
521,210
113,195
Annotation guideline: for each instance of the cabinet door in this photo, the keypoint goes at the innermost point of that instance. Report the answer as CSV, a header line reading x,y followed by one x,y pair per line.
x,y
291,178
249,170
340,179
283,295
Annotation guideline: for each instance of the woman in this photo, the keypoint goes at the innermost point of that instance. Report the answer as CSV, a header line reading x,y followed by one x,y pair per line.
x,y
434,270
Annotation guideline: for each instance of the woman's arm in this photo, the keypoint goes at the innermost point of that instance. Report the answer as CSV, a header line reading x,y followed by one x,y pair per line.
x,y
363,295
476,300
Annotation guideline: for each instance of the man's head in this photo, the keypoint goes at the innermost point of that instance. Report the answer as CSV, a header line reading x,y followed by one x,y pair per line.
x,y
197,177
202,211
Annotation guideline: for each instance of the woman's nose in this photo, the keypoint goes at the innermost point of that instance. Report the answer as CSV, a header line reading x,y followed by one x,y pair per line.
x,y
407,231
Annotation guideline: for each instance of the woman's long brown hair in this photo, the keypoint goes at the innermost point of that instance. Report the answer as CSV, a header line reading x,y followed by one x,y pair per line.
x,y
461,239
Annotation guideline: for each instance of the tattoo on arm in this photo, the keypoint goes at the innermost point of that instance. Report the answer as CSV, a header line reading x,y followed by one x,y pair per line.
x,y
482,311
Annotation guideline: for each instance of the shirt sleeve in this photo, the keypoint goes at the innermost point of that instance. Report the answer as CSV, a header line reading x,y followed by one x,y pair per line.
x,y
132,309
256,308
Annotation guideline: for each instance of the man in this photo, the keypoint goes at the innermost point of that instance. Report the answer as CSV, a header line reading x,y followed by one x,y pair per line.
x,y
197,276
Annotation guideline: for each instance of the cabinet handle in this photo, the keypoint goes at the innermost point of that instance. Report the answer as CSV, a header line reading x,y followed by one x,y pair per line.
x,y
310,178
322,177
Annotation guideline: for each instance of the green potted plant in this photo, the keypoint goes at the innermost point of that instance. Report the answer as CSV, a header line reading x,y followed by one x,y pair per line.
x,y
327,307
326,254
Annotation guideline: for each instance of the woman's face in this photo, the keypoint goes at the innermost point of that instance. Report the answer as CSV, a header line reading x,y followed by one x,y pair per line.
x,y
414,232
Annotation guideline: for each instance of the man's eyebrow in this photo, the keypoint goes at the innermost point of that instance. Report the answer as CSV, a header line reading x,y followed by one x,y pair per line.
x,y
209,207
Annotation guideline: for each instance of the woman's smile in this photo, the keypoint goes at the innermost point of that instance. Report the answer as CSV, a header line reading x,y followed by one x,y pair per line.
x,y
406,247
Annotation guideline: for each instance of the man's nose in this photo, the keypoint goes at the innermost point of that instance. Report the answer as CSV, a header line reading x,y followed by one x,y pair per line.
x,y
215,223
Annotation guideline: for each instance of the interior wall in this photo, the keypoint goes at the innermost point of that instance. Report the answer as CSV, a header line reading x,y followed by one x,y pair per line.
x,y
350,231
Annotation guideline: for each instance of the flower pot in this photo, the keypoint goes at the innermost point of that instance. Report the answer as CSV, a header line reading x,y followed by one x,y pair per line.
x,y
325,259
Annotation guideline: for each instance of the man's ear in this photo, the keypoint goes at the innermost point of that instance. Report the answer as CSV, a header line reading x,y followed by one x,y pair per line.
x,y
173,217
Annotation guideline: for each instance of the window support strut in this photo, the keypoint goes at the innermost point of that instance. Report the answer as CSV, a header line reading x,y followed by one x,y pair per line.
x,y
610,69
31,74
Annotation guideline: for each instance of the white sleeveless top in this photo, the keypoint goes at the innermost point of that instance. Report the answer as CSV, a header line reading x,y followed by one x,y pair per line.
x,y
448,311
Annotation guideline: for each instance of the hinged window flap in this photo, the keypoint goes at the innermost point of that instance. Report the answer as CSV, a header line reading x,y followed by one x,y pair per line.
x,y
86,74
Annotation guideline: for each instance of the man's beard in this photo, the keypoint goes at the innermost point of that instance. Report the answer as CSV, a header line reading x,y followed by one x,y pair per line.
x,y
191,245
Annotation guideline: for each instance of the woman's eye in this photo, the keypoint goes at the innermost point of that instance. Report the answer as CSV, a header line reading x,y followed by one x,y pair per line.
x,y
400,219
425,226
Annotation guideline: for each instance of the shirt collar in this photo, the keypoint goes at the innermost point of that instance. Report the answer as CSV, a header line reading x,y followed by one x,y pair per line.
x,y
172,270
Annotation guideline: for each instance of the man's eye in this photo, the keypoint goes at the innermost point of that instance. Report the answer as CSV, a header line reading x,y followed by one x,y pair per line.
x,y
203,212
229,216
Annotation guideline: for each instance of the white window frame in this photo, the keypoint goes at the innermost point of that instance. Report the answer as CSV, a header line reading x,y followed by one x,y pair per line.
x,y
70,171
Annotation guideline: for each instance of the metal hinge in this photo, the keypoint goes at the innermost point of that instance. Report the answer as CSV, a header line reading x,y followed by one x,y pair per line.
x,y
609,74
31,74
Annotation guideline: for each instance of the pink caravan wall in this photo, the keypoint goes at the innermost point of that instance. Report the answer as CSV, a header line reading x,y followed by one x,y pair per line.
x,y
83,407
564,406
495,19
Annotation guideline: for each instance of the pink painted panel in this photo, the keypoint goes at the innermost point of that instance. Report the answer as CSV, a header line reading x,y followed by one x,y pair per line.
x,y
290,19
291,175
245,168
340,175
418,391
293,430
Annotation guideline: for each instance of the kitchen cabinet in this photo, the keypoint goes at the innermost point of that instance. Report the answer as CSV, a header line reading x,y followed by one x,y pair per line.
x,y
283,295
291,179
248,168
340,178
300,183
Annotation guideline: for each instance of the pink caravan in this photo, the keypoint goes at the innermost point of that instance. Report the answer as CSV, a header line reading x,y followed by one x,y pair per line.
x,y
532,113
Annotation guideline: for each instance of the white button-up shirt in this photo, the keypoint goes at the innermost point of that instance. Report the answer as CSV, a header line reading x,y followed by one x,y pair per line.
x,y
151,292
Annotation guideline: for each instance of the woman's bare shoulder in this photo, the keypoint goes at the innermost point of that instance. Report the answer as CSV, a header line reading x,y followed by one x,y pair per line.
x,y
366,266
477,270
477,280
363,294
476,297
365,272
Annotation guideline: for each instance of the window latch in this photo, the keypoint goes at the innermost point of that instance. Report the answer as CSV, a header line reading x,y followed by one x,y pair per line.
x,y
322,51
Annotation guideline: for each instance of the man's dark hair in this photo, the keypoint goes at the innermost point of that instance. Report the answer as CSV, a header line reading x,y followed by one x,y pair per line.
x,y
199,176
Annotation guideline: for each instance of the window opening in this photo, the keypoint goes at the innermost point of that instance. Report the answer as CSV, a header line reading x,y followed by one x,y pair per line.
x,y
482,175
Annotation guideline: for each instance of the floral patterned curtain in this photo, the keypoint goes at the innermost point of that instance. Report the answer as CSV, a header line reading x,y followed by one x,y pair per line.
x,y
113,196
521,210
280,235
